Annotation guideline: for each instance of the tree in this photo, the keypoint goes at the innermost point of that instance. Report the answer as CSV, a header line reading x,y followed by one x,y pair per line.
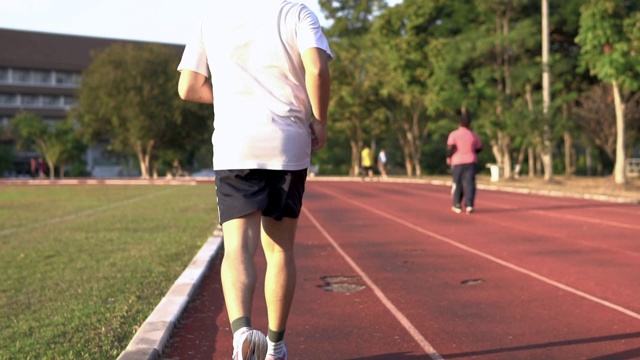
x,y
6,151
128,98
547,152
608,34
52,142
407,38
353,103
72,147
596,116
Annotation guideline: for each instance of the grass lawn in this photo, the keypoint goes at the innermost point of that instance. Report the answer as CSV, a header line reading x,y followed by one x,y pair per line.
x,y
82,266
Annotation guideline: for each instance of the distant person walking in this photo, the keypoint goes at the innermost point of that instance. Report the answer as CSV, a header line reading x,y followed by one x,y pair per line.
x,y
270,81
42,168
33,167
382,163
366,162
462,148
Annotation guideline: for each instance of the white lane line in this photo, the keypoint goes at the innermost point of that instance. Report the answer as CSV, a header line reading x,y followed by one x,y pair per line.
x,y
495,259
590,220
547,213
574,217
376,290
79,214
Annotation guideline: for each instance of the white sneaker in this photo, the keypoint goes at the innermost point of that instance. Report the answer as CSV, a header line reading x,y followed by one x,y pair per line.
x,y
250,344
469,209
282,356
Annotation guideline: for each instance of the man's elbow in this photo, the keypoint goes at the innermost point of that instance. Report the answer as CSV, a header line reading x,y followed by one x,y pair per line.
x,y
316,62
185,91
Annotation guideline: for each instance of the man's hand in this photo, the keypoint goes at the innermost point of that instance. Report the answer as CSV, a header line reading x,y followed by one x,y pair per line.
x,y
318,135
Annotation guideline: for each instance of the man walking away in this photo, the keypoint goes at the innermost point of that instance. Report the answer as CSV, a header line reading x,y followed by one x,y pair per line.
x,y
382,163
462,148
269,82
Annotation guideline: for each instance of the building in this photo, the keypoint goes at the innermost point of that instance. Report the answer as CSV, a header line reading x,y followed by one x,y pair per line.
x,y
40,72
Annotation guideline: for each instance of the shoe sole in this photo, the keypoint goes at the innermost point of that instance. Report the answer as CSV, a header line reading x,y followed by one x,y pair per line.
x,y
254,346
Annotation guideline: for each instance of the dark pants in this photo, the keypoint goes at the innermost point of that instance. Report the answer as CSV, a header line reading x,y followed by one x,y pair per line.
x,y
464,184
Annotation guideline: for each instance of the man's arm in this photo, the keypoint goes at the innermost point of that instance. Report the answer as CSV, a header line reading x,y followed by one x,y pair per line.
x,y
318,80
478,144
194,86
451,149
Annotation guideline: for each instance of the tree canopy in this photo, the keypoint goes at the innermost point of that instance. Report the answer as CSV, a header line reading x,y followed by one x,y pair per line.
x,y
405,72
128,97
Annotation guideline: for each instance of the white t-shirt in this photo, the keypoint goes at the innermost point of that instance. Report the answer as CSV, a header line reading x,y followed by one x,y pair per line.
x,y
262,109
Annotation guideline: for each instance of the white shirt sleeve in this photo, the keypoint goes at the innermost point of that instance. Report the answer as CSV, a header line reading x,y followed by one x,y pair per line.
x,y
310,33
194,57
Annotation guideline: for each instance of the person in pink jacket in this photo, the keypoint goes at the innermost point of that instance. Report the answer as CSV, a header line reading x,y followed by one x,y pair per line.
x,y
463,145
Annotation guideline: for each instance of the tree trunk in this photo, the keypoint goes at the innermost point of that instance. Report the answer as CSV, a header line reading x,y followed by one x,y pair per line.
x,y
547,145
406,152
531,156
568,150
144,157
588,160
520,160
506,156
619,171
354,169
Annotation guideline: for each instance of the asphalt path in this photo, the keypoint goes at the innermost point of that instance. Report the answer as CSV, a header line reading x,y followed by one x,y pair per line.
x,y
388,271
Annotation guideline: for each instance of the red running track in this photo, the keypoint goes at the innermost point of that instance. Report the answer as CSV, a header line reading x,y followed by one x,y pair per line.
x,y
524,277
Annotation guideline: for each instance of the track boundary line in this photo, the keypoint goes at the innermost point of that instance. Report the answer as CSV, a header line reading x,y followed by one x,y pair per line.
x,y
80,213
495,259
413,331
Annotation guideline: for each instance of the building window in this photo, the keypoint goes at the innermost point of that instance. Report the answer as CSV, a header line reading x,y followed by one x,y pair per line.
x,y
33,100
41,77
70,101
67,78
4,74
9,99
21,75
51,101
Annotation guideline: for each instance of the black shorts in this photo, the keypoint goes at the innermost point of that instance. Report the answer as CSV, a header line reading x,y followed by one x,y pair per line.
x,y
276,193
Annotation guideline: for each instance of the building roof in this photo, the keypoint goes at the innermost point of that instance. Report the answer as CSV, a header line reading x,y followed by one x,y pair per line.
x,y
39,50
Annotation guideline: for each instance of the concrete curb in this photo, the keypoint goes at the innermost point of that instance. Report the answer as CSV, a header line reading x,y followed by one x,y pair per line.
x,y
150,340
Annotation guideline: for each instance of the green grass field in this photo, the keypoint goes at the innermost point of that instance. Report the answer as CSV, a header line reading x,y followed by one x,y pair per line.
x,y
82,266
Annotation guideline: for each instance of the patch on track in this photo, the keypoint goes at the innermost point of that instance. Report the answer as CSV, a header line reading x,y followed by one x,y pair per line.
x,y
343,284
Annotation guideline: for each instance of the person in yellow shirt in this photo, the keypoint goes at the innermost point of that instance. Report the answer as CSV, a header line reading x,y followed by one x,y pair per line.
x,y
366,162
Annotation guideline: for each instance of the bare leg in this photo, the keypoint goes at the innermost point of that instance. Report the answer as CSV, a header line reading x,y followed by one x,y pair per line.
x,y
280,281
237,272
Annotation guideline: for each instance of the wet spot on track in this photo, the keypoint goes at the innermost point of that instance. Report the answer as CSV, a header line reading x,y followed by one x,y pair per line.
x,y
344,284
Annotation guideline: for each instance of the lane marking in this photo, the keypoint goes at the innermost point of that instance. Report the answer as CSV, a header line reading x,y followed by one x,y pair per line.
x,y
79,214
596,221
495,259
575,217
590,220
376,290
547,213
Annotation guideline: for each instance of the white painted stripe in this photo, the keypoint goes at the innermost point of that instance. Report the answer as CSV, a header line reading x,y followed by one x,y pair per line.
x,y
495,259
376,290
590,220
574,217
79,214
